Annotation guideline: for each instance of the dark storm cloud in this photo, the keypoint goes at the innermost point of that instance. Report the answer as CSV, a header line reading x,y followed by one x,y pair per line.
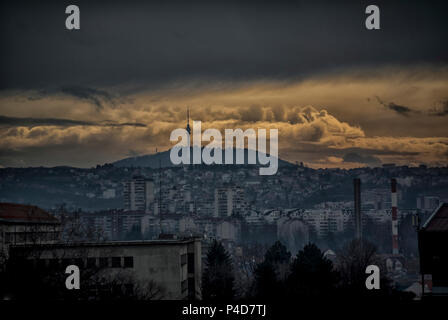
x,y
401,110
152,43
95,96
366,159
439,111
37,122
98,97
124,124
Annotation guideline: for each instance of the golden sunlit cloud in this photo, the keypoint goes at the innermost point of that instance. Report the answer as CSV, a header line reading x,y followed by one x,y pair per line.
x,y
335,120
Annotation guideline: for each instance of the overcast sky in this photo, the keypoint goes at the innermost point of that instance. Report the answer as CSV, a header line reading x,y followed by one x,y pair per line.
x,y
339,94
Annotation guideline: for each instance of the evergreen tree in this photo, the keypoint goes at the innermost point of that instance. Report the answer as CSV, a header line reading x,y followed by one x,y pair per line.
x,y
277,254
269,275
266,283
218,279
312,274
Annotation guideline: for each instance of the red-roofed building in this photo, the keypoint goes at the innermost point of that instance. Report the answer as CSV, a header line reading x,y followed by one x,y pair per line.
x,y
25,224
433,248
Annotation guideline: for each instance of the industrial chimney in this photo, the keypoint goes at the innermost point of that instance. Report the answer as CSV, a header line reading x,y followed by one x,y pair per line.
x,y
394,216
358,217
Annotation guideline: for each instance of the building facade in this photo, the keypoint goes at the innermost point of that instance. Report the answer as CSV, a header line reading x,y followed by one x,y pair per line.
x,y
27,225
138,194
170,267
432,245
228,201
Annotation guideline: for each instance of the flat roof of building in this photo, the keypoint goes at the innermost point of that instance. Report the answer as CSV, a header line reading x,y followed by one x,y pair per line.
x,y
110,243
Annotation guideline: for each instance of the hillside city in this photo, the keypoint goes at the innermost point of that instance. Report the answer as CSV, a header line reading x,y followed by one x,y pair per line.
x,y
235,205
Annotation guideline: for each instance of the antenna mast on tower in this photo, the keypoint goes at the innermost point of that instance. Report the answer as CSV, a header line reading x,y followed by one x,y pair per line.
x,y
188,121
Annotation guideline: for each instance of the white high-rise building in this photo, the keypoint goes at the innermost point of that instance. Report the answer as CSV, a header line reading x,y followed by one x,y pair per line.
x,y
324,221
138,194
229,201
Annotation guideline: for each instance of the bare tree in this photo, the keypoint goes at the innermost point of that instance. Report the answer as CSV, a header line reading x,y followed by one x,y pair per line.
x,y
245,265
352,262
123,286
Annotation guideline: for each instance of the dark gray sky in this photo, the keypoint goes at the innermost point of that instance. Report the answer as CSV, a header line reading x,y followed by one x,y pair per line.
x,y
151,43
339,94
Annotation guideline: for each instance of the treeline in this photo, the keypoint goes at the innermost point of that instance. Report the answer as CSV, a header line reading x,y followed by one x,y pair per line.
x,y
308,275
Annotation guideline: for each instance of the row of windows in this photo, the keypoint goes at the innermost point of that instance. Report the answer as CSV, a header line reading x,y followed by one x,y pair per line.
x,y
112,262
31,236
92,262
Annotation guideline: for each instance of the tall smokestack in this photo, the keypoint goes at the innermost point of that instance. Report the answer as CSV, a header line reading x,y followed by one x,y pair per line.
x,y
394,216
358,217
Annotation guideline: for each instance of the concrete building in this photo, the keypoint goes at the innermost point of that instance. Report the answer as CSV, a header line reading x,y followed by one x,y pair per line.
x,y
228,201
112,224
228,230
293,232
175,200
174,266
379,198
427,203
138,194
380,216
432,244
24,224
323,222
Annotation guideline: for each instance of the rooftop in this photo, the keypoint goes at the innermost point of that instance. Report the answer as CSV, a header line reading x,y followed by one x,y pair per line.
x,y
20,213
111,243
438,221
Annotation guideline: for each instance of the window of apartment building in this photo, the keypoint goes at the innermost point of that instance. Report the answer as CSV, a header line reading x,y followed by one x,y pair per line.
x,y
183,259
129,262
104,262
116,262
190,263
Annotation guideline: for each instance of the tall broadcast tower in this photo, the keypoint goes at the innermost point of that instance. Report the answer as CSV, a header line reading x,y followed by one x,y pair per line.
x,y
188,121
